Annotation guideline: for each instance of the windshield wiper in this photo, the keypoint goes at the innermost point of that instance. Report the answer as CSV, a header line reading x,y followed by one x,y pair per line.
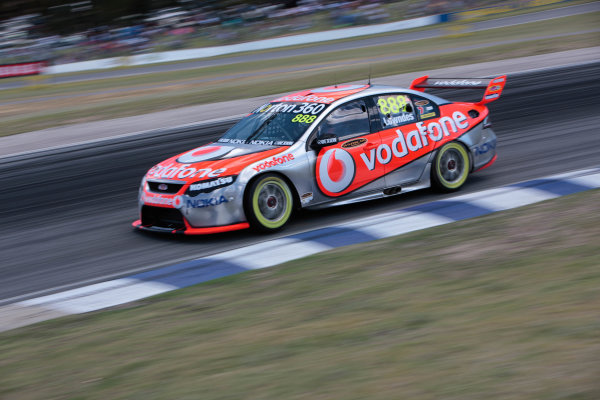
x,y
260,128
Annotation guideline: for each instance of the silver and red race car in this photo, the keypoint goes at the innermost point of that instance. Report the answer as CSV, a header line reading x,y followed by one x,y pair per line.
x,y
322,147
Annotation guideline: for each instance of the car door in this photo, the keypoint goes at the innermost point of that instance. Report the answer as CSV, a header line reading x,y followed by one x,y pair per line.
x,y
342,169
405,147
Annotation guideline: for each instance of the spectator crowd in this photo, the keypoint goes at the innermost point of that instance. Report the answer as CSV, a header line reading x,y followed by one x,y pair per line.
x,y
29,37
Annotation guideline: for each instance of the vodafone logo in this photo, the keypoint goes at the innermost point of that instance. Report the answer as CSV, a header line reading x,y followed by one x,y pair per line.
x,y
204,153
336,170
177,202
415,140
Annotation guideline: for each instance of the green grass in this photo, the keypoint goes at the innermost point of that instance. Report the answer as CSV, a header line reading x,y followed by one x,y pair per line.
x,y
504,306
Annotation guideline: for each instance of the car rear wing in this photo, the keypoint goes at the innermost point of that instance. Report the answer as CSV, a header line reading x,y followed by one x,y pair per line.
x,y
493,87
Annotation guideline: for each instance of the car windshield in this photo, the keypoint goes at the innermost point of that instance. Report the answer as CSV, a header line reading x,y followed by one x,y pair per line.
x,y
274,124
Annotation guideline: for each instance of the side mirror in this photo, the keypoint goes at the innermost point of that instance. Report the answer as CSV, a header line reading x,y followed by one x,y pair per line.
x,y
326,140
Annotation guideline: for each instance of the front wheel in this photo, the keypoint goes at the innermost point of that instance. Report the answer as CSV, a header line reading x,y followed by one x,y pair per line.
x,y
268,203
450,167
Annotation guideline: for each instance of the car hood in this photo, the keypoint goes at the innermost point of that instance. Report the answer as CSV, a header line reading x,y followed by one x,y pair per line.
x,y
211,161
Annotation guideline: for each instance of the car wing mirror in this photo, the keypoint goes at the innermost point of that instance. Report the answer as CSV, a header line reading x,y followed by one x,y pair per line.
x,y
327,139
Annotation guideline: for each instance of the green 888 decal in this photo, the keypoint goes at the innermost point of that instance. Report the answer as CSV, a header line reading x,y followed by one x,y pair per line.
x,y
304,118
393,104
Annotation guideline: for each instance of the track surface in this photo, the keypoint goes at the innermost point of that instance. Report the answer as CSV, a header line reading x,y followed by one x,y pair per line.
x,y
313,49
66,217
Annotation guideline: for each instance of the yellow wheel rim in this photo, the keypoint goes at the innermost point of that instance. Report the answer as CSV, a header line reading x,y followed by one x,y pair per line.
x,y
272,202
452,166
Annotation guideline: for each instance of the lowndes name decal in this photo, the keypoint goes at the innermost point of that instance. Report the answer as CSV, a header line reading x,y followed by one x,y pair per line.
x,y
398,119
415,140
182,171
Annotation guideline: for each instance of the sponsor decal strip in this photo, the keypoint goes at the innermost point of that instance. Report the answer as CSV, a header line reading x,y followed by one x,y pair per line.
x,y
22,69
336,169
135,287
209,185
273,162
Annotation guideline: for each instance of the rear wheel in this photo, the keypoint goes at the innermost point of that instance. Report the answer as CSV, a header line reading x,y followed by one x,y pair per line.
x,y
451,167
268,203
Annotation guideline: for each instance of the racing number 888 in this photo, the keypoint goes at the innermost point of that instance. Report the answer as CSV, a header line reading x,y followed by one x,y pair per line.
x,y
392,104
304,118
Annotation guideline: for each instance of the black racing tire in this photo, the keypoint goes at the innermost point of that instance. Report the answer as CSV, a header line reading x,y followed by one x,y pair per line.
x,y
268,203
450,167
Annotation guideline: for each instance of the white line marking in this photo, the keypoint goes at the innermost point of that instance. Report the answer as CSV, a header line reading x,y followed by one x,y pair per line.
x,y
592,181
507,199
271,253
98,296
79,292
574,174
403,224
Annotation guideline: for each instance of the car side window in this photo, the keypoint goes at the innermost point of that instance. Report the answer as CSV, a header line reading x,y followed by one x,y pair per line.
x,y
425,108
395,110
347,121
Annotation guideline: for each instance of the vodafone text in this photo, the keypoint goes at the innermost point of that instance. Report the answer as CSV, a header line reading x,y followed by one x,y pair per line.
x,y
415,140
182,171
152,199
273,162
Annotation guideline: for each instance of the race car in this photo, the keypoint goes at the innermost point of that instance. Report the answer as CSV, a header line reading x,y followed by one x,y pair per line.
x,y
322,147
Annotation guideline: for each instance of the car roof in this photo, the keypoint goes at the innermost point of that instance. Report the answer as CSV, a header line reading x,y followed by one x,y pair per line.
x,y
327,94
331,94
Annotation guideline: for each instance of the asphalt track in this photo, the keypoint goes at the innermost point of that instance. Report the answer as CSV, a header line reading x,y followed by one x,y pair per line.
x,y
314,49
66,214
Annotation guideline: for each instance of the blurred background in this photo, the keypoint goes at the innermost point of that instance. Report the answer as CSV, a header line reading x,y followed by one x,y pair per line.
x,y
62,32
505,306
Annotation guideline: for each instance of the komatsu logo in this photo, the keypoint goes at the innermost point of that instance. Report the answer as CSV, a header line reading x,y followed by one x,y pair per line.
x,y
201,203
211,184
415,140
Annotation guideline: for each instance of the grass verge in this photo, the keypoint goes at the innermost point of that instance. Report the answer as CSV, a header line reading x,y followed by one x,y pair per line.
x,y
504,306
40,106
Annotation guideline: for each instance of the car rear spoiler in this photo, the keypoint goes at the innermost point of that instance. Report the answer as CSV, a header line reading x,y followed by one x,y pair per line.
x,y
493,87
